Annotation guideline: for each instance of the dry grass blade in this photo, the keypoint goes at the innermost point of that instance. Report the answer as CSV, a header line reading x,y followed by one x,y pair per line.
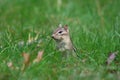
x,y
32,39
39,57
26,61
10,65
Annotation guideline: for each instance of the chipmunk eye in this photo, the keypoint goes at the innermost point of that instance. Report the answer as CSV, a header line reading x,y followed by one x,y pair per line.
x,y
60,31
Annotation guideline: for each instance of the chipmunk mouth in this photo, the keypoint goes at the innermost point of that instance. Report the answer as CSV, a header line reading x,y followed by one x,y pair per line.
x,y
56,39
53,37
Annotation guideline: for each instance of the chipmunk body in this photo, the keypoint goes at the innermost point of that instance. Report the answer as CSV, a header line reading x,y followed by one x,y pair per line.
x,y
62,37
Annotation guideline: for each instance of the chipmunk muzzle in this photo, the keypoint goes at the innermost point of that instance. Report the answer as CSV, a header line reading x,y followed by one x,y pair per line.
x,y
52,36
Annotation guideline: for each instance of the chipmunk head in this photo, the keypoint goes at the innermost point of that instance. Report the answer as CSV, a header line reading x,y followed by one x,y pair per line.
x,y
60,33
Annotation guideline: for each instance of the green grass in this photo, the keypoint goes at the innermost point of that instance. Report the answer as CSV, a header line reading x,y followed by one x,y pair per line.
x,y
94,28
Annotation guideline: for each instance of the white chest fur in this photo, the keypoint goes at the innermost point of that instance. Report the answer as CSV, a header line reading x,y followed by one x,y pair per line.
x,y
64,45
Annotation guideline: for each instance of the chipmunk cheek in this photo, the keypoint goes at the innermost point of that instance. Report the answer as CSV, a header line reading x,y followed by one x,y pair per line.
x,y
61,38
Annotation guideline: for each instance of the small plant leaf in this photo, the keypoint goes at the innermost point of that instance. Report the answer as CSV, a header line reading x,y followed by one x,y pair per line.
x,y
111,57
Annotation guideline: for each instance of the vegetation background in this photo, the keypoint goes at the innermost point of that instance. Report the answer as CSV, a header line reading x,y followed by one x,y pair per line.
x,y
26,27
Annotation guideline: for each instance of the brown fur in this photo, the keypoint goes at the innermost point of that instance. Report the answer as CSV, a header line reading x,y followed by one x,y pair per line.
x,y
62,39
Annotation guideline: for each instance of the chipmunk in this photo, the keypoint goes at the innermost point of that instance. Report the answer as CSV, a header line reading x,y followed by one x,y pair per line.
x,y
62,38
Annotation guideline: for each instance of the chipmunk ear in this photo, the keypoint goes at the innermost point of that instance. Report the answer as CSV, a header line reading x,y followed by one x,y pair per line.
x,y
66,28
60,25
